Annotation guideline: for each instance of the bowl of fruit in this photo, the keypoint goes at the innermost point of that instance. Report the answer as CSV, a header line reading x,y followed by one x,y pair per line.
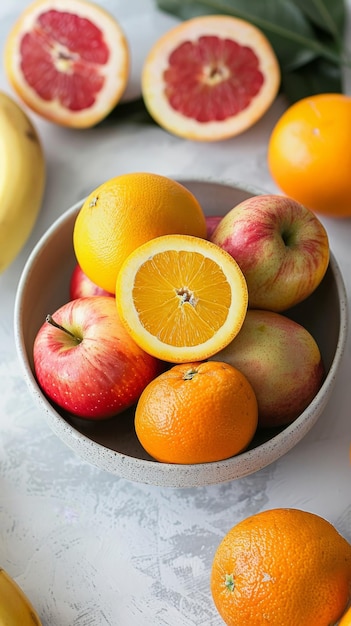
x,y
181,339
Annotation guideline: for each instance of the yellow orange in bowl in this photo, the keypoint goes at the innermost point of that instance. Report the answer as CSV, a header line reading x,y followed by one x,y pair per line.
x,y
125,212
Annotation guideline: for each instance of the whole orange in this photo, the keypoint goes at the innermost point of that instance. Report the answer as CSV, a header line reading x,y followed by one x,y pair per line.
x,y
309,154
196,413
282,566
125,212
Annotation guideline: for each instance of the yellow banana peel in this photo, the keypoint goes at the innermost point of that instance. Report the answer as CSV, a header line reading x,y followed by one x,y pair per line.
x,y
22,178
15,608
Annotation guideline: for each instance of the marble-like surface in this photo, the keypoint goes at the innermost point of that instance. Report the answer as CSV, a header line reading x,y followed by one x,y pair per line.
x,y
88,548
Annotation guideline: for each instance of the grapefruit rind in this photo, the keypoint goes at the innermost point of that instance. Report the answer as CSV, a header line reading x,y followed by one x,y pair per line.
x,y
156,63
151,343
115,72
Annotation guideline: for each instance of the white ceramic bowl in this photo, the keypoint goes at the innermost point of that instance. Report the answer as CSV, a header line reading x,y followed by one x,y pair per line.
x,y
112,445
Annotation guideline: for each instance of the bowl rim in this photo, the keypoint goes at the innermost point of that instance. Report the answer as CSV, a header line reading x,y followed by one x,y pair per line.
x,y
176,475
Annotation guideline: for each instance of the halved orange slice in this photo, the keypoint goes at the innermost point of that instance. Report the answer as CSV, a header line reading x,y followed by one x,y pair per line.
x,y
181,298
210,77
68,61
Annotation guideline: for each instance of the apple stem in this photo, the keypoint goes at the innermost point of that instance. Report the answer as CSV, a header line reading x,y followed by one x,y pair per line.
x,y
51,321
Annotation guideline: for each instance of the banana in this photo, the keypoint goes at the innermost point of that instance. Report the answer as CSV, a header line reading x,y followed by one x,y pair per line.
x,y
15,608
22,178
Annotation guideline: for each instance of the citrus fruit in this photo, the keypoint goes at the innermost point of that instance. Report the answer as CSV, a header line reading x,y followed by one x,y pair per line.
x,y
309,154
346,619
68,61
196,413
181,297
210,78
123,213
282,566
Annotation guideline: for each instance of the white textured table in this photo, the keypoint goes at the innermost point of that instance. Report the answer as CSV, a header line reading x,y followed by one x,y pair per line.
x,y
91,549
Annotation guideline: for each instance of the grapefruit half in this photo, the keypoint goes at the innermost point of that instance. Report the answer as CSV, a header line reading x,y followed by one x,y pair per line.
x,y
210,78
68,61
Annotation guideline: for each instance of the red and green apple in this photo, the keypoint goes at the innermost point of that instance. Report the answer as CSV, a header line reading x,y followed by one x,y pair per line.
x,y
81,286
281,247
281,360
87,363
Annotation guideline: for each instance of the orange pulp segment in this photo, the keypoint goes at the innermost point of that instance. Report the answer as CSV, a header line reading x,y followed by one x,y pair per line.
x,y
181,297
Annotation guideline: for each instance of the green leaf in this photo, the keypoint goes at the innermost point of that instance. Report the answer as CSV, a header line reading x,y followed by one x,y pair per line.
x,y
133,111
329,15
301,32
292,35
319,76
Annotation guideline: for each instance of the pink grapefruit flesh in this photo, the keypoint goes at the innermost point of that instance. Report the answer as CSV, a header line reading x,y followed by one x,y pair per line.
x,y
210,78
68,61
